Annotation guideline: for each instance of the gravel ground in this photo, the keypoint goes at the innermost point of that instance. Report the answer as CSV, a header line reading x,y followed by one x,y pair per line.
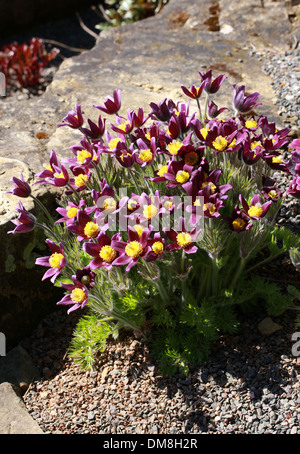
x,y
251,385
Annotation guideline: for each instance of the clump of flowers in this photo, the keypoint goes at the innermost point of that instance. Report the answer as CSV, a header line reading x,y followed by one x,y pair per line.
x,y
163,221
23,63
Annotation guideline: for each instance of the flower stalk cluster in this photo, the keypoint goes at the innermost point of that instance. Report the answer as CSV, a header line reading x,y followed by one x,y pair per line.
x,y
170,207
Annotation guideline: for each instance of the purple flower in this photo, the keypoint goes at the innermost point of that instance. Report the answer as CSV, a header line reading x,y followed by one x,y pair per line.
x,y
211,85
56,261
294,188
124,154
111,105
269,190
102,251
193,92
86,276
241,103
50,169
157,247
74,118
238,221
124,126
295,144
139,119
162,111
256,209
294,163
214,111
25,221
178,174
133,249
21,188
251,150
275,160
78,296
70,212
96,131
182,239
59,178
83,226
145,153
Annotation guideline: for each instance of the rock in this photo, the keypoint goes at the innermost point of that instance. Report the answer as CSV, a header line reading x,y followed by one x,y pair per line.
x,y
14,417
18,369
267,327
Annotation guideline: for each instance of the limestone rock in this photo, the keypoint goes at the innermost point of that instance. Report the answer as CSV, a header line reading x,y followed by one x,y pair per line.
x,y
267,327
14,417
18,369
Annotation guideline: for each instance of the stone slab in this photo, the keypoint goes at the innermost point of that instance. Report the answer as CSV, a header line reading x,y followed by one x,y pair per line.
x,y
18,369
14,417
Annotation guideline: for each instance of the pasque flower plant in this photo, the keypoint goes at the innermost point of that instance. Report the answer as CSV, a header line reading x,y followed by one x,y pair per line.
x,y
164,219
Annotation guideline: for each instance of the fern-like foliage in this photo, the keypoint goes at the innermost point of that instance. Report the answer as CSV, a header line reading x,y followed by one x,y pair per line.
x,y
90,337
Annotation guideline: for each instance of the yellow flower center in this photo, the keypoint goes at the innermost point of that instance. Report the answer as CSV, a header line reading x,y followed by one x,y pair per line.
x,y
174,147
83,155
109,204
81,180
197,203
212,186
210,207
78,295
123,125
250,124
272,193
134,249
162,170
145,155
168,204
107,253
59,175
123,155
48,167
91,229
131,204
150,211
232,144
238,224
220,143
139,229
204,132
277,159
157,247
113,143
182,176
71,213
55,260
191,158
255,210
255,144
183,239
